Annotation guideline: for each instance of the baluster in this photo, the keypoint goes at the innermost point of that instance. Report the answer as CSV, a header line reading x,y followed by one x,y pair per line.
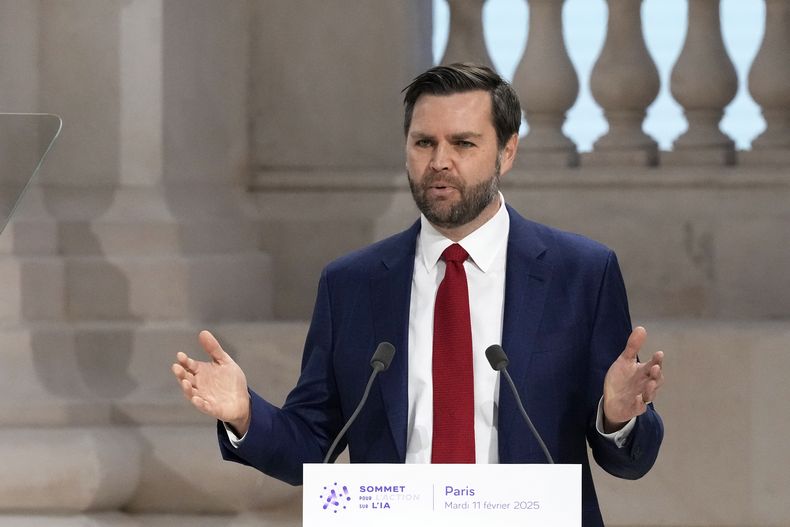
x,y
624,82
466,41
769,83
547,85
703,82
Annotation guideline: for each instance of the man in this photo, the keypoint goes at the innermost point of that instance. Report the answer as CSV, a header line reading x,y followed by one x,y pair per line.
x,y
555,301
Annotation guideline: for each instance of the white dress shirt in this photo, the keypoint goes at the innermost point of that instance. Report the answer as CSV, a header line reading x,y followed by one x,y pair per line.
x,y
485,275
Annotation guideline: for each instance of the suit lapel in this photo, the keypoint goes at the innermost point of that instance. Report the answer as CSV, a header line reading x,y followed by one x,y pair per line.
x,y
526,285
391,294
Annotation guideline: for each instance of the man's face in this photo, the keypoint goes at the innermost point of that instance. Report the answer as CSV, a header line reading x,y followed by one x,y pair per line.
x,y
452,159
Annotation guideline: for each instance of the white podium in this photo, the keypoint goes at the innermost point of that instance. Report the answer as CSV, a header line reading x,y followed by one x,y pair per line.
x,y
384,495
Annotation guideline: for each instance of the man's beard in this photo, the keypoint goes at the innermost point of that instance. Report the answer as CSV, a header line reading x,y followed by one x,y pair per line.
x,y
473,200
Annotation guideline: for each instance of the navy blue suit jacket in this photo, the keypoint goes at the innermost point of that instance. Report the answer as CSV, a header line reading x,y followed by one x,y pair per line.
x,y
565,321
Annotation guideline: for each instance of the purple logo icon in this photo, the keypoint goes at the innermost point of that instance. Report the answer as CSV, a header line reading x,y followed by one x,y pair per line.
x,y
334,498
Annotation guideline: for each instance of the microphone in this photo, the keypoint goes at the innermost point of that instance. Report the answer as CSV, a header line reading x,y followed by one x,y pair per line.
x,y
498,361
380,361
382,357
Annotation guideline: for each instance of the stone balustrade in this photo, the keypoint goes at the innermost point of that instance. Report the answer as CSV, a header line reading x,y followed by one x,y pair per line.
x,y
625,81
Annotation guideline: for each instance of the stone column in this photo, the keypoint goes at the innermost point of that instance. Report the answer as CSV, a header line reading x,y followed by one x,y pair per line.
x,y
624,82
547,86
132,240
466,41
769,84
703,82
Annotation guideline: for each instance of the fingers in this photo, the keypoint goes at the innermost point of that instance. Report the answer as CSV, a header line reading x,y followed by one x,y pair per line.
x,y
654,384
213,349
635,342
656,359
649,378
654,372
187,388
178,371
189,364
191,394
189,391
182,374
201,404
653,368
641,405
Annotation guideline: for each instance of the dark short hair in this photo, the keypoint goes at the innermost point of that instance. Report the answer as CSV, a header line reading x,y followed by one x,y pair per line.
x,y
465,77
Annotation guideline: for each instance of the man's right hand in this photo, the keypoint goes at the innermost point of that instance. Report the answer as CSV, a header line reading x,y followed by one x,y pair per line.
x,y
217,388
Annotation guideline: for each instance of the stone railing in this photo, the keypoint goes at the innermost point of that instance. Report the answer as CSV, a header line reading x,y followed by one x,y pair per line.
x,y
625,81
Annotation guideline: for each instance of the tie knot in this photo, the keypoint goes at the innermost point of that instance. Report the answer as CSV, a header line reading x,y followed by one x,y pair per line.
x,y
455,253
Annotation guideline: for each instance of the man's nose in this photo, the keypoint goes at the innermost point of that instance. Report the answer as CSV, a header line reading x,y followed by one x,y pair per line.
x,y
440,160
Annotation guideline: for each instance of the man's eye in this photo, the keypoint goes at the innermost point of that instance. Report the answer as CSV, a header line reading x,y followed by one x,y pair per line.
x,y
465,144
423,143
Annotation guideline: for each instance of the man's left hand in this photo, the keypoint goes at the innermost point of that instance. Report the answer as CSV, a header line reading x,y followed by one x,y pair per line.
x,y
630,385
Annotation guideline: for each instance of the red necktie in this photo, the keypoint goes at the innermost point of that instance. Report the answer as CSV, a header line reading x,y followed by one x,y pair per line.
x,y
453,378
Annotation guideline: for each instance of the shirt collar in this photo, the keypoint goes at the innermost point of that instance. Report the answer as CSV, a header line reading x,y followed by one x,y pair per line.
x,y
483,244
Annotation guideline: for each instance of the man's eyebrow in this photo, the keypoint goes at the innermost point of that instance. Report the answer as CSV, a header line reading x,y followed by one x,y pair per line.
x,y
460,136
466,135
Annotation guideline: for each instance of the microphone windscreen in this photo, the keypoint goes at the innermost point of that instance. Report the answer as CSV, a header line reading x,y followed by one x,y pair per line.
x,y
496,357
382,357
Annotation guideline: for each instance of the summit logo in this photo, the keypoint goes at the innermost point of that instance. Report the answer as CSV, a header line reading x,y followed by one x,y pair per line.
x,y
335,497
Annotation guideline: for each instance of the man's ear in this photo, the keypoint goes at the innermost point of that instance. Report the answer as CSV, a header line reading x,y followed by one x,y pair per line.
x,y
508,154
